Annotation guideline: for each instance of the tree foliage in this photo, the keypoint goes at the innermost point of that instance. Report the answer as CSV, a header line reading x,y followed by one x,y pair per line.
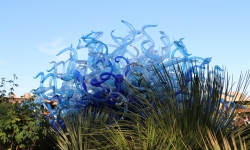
x,y
21,127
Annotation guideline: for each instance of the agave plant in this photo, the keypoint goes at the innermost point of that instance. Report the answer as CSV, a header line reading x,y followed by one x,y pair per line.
x,y
168,112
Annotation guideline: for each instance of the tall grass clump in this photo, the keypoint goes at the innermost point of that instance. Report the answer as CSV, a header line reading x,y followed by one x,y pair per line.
x,y
168,110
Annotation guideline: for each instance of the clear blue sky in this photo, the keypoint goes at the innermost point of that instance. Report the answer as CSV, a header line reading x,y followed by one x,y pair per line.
x,y
33,32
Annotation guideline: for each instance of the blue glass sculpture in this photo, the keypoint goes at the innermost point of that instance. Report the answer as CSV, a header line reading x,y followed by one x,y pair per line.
x,y
99,80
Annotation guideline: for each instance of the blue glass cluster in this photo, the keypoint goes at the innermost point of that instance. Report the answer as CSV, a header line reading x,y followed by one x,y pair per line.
x,y
99,80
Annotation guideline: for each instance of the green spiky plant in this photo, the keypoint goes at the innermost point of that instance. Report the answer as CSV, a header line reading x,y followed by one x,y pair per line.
x,y
84,130
161,119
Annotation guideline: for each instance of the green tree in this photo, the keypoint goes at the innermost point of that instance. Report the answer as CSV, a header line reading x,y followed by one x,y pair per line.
x,y
22,127
3,96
